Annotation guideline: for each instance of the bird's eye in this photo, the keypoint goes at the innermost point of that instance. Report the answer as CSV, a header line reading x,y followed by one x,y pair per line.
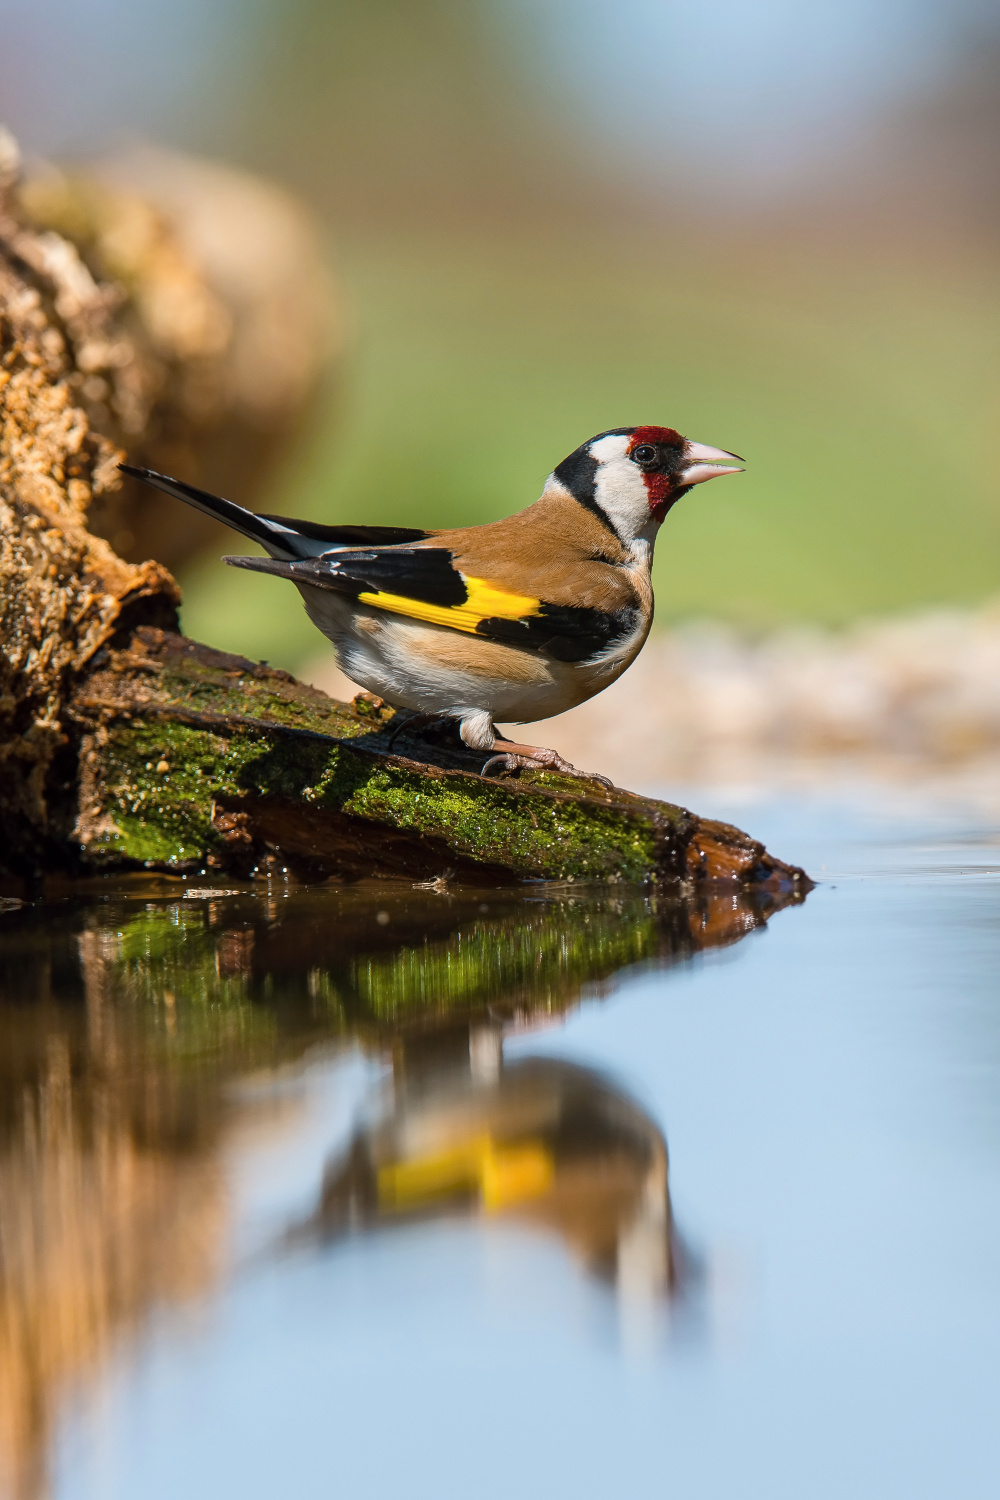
x,y
644,454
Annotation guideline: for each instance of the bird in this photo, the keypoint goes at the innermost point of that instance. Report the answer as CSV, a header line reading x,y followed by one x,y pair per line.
x,y
505,622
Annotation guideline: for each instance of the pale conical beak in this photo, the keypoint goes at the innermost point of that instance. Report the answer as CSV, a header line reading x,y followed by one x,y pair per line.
x,y
704,463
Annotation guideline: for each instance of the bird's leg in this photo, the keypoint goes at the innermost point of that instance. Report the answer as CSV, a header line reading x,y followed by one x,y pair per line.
x,y
414,723
513,757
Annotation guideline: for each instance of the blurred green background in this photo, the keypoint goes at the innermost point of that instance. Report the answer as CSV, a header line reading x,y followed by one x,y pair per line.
x,y
776,230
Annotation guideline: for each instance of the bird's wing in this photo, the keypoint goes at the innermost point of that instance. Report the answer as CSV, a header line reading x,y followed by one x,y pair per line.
x,y
424,583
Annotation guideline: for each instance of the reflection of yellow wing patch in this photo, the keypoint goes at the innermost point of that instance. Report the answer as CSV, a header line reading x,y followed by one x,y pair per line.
x,y
512,1174
503,1175
486,601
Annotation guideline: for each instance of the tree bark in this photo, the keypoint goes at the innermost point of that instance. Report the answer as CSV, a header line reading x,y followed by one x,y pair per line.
x,y
224,321
123,745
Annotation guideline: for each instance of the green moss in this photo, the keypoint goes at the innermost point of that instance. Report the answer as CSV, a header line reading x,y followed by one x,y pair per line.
x,y
161,817
204,687
164,816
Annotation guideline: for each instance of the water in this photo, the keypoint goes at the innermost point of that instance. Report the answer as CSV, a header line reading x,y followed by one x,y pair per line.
x,y
318,1192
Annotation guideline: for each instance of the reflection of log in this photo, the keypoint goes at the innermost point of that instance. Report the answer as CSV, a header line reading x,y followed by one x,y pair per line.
x,y
124,744
99,1221
404,960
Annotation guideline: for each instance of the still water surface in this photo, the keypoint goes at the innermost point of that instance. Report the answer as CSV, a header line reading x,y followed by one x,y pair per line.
x,y
348,1193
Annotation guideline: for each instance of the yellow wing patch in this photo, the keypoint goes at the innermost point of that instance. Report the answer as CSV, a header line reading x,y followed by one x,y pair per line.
x,y
486,601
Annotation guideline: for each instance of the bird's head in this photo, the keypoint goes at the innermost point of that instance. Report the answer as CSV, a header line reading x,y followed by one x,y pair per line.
x,y
631,476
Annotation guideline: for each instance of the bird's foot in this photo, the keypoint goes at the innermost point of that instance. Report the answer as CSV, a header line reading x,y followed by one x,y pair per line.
x,y
514,757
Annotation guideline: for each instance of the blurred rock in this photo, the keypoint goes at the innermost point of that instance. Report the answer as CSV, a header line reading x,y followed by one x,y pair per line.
x,y
224,325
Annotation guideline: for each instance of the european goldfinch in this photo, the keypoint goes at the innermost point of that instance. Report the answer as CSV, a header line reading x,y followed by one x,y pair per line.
x,y
512,621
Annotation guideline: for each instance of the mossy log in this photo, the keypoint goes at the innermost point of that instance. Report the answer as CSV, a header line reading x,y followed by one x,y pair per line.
x,y
192,758
123,745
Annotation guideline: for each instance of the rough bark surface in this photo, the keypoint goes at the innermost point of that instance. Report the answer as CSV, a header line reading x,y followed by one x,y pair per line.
x,y
124,745
224,323
62,589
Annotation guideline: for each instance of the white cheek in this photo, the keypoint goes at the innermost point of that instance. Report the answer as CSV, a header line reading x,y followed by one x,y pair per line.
x,y
622,495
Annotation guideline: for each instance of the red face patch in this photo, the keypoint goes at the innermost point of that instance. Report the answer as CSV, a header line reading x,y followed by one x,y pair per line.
x,y
658,486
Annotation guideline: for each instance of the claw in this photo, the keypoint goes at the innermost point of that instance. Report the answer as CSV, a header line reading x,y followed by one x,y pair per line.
x,y
509,763
539,760
604,781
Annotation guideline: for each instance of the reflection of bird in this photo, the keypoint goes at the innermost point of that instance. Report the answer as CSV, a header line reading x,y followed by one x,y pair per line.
x,y
512,621
541,1141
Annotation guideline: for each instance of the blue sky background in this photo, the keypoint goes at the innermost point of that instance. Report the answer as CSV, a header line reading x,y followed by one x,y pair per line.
x,y
730,94
761,91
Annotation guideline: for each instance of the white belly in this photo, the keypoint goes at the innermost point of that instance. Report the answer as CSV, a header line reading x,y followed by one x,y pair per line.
x,y
432,669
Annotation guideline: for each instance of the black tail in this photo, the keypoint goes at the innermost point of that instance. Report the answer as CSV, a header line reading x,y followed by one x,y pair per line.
x,y
280,535
277,539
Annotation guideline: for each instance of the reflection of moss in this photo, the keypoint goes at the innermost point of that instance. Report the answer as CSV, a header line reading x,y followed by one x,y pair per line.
x,y
331,962
541,959
535,956
162,966
182,993
173,949
189,991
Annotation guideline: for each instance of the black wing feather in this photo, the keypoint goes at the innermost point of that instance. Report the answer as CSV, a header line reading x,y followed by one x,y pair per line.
x,y
561,632
564,632
426,574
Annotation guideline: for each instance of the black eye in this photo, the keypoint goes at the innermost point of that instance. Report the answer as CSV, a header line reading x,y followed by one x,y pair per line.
x,y
644,454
